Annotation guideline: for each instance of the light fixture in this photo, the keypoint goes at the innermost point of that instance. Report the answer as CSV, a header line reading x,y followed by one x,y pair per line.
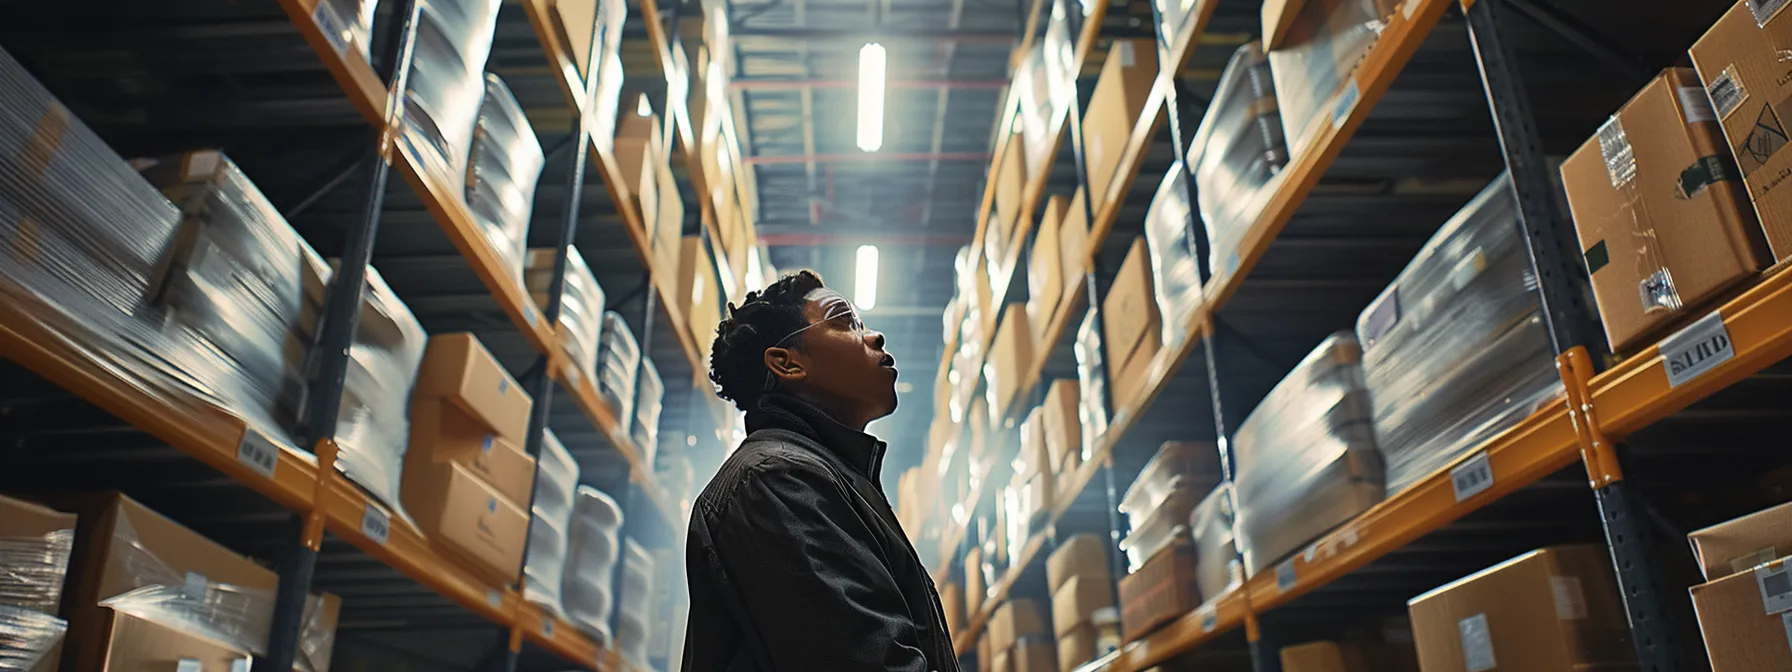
x,y
864,286
643,108
871,97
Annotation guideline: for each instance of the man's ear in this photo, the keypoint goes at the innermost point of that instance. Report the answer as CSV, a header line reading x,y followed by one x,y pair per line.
x,y
785,365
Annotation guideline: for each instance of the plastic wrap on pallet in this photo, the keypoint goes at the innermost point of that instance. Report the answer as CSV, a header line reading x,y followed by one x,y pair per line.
x,y
1324,44
1305,459
591,564
556,486
1210,524
347,24
32,570
373,426
1092,382
581,303
1178,465
1238,148
1177,277
241,281
637,581
1156,529
445,86
618,362
502,169
1042,101
1455,350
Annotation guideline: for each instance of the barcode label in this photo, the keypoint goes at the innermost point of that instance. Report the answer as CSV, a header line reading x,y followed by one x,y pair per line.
x,y
258,453
1210,618
1776,588
1477,644
1285,578
1696,105
1726,93
242,664
494,598
1700,347
376,524
1472,477
1764,10
547,628
189,665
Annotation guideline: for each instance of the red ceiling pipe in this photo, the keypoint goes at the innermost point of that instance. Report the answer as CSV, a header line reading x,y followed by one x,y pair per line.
x,y
798,84
864,157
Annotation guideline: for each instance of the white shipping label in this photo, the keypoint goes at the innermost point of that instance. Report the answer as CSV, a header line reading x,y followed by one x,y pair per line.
x,y
1776,588
1124,51
1726,92
258,453
331,27
242,665
1477,644
547,628
1472,477
189,665
494,598
1285,578
376,524
1700,347
1209,617
1696,105
1571,601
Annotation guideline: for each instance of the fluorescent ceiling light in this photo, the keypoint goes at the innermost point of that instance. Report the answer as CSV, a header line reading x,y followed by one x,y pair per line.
x,y
864,286
871,100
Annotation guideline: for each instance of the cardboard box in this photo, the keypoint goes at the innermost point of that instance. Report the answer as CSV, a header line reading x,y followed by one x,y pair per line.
x,y
134,644
1076,647
1034,654
1063,428
1323,657
1075,602
1742,634
1016,618
1010,206
1129,313
1045,270
441,433
21,520
1161,591
1116,106
668,224
952,602
576,21
1664,220
1073,245
698,292
1083,554
457,369
1278,18
470,520
1750,87
638,157
1130,381
1738,545
1011,353
118,540
1556,608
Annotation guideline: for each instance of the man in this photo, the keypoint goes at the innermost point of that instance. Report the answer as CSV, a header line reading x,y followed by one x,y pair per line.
x,y
796,561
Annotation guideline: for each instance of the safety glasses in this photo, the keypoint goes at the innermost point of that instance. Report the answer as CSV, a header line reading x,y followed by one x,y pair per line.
x,y
835,309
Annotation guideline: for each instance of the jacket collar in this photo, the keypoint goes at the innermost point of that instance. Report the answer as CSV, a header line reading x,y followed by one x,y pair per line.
x,y
859,450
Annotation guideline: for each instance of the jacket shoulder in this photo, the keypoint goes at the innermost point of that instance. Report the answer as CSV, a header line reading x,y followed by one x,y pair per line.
x,y
760,458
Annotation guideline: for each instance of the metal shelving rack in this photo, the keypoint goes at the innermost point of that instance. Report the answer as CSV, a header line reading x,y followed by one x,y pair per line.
x,y
308,484
1599,408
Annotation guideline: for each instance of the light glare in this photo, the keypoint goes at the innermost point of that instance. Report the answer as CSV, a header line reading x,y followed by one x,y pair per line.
x,y
864,288
871,97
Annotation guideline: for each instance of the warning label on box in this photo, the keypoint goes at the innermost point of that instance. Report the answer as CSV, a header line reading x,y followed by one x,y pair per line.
x,y
1766,138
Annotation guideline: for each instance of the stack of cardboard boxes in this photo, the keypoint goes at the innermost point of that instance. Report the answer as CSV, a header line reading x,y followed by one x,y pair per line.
x,y
1133,326
1019,639
1386,646
1082,588
467,477
1118,103
1741,63
1745,606
1556,608
1063,432
143,591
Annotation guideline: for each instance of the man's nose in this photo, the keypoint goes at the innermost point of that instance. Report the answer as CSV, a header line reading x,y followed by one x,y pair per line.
x,y
875,338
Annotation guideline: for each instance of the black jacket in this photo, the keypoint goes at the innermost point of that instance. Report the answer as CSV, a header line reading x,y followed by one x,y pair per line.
x,y
797,563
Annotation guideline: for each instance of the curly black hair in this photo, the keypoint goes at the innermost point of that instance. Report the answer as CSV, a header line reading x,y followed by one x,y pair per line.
x,y
737,360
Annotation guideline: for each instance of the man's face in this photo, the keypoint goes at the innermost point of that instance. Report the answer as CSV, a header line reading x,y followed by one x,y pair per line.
x,y
846,366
